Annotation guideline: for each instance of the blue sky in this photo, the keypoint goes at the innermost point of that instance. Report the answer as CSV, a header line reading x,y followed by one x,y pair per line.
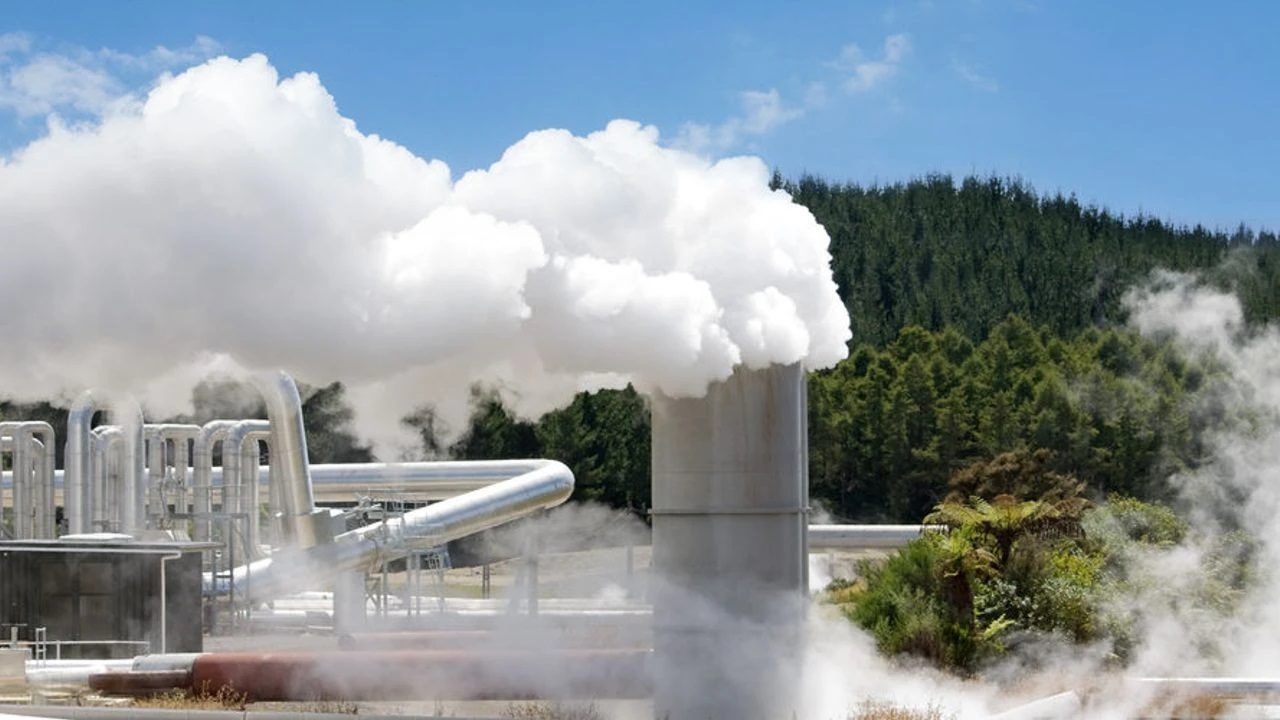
x,y
1169,107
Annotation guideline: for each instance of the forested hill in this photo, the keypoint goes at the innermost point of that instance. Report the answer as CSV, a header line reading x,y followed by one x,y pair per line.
x,y
935,253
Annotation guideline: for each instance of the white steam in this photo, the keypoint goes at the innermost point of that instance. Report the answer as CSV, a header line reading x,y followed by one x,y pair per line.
x,y
237,219
1238,489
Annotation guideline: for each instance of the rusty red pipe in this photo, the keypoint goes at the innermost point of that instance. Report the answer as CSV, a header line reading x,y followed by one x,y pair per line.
x,y
406,675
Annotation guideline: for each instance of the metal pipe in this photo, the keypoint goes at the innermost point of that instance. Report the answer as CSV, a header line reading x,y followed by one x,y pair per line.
x,y
304,525
182,437
212,433
243,491
39,518
549,484
76,490
21,482
79,450
864,537
107,443
155,468
164,600
157,437
48,460
381,675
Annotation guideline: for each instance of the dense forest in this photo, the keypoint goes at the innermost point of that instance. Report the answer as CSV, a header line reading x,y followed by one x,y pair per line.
x,y
987,318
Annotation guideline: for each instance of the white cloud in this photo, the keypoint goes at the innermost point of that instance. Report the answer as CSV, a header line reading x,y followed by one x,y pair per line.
x,y
47,82
763,111
864,74
975,78
14,42
37,83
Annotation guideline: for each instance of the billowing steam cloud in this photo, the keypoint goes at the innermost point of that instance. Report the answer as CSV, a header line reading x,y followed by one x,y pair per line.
x,y
232,218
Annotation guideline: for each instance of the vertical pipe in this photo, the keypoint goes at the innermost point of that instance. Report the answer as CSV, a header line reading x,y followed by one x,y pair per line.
x,y
210,434
22,490
181,436
133,470
234,488
250,502
79,450
111,466
75,481
48,462
41,518
730,504
155,470
302,522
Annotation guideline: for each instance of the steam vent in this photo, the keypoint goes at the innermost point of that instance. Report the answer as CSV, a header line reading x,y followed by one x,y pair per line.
x,y
730,498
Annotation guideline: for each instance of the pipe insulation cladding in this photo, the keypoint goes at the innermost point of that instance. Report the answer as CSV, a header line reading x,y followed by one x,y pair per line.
x,y
730,497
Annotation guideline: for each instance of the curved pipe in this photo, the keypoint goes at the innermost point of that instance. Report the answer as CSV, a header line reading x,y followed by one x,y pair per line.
x,y
301,520
79,452
39,437
31,517
158,436
104,498
211,433
237,492
550,483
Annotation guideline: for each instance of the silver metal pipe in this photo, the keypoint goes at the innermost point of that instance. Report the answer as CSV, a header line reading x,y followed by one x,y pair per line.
x,y
155,468
250,502
238,494
33,508
109,461
182,437
21,478
864,537
549,484
212,433
79,423
303,524
158,437
76,491
45,443
345,482
133,484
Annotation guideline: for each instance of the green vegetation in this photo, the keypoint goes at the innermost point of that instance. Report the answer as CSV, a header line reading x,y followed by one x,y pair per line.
x,y
1005,570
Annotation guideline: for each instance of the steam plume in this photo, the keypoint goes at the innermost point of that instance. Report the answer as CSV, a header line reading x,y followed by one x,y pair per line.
x,y
236,219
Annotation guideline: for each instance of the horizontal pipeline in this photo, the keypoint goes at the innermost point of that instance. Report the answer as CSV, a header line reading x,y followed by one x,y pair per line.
x,y
345,482
401,675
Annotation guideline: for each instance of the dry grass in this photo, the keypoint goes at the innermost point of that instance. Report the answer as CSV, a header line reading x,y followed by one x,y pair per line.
x,y
871,710
1188,706
224,699
552,711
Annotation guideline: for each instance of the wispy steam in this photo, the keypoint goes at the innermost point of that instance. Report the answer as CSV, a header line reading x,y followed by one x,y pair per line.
x,y
235,217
